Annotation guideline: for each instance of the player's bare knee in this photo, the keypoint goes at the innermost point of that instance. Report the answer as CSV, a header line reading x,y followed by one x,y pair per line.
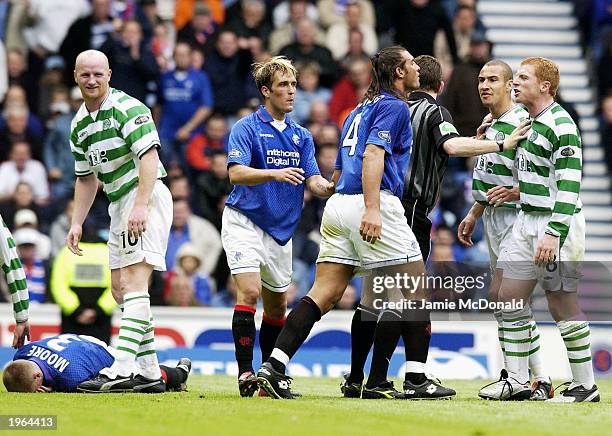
x,y
248,295
277,311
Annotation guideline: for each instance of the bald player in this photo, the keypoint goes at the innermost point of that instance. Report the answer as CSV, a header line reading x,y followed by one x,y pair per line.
x,y
114,140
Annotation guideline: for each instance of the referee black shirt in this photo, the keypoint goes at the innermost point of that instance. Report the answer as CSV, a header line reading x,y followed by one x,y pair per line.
x,y
432,125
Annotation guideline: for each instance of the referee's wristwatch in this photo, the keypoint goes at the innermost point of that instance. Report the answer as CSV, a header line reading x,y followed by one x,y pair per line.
x,y
500,143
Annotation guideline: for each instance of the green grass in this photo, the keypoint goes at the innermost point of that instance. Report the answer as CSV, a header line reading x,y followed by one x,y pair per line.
x,y
212,406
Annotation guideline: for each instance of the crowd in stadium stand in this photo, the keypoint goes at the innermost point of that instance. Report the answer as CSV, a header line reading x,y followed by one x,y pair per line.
x,y
189,61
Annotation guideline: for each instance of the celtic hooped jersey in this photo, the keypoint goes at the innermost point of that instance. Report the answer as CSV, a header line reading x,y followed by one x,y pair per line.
x,y
111,142
549,164
495,169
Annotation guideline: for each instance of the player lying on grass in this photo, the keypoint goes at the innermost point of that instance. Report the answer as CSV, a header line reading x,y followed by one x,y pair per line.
x,y
496,194
61,363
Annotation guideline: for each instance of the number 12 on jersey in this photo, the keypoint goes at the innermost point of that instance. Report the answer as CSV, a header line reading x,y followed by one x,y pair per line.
x,y
350,140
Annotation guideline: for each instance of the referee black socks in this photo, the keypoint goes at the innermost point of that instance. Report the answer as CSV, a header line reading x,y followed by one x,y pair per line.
x,y
386,337
294,333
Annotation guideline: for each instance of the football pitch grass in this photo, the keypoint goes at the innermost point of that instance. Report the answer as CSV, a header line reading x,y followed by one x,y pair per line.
x,y
212,406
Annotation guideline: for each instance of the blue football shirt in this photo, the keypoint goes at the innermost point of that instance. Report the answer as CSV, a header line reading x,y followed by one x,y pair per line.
x,y
67,360
385,122
182,93
273,206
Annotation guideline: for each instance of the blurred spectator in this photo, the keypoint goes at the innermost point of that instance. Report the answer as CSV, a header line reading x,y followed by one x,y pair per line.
x,y
18,75
202,146
187,227
338,34
146,14
326,158
18,129
26,219
59,229
22,168
606,129
310,91
225,297
81,286
36,269
461,97
199,31
58,158
47,23
355,49
162,48
251,23
334,11
305,49
319,116
212,187
186,101
282,12
88,32
604,67
285,34
228,68
416,23
463,26
22,198
185,285
51,80
349,90
185,10
133,63
444,246
16,96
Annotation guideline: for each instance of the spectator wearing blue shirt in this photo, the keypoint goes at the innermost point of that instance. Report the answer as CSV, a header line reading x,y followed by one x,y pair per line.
x,y
188,286
269,159
186,100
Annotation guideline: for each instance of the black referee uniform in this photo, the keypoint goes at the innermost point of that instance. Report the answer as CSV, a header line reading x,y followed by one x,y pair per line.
x,y
432,126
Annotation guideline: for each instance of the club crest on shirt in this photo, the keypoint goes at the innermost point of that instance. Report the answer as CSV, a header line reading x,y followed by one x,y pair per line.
x,y
533,136
567,152
500,136
106,124
385,135
296,139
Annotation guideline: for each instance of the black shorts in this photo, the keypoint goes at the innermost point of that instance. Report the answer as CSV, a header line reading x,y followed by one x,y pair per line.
x,y
421,227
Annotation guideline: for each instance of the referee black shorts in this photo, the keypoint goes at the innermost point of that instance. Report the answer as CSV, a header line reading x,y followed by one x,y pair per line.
x,y
421,227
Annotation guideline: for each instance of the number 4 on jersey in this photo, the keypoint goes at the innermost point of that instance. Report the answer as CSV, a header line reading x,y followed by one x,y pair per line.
x,y
350,140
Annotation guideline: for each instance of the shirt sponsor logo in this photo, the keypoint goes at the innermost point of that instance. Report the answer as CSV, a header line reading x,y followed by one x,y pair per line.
x,y
385,135
234,153
567,152
141,119
282,158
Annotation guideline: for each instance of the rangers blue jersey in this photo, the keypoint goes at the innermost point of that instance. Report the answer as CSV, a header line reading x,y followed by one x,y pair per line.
x,y
385,122
67,360
275,207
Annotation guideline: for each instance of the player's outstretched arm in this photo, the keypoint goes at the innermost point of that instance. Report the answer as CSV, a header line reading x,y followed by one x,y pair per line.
x,y
465,147
468,225
371,177
320,187
85,189
244,175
